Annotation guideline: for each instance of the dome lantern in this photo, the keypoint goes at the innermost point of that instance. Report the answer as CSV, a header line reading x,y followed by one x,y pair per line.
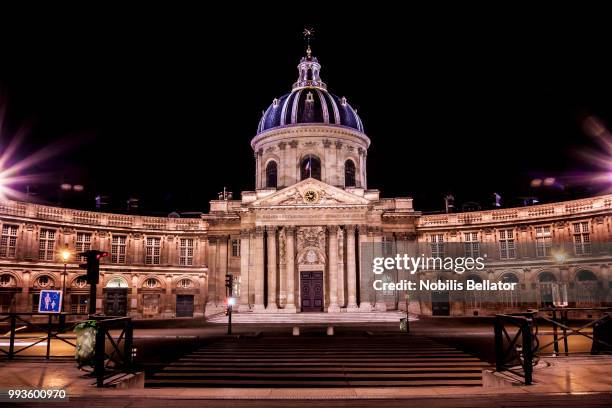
x,y
309,72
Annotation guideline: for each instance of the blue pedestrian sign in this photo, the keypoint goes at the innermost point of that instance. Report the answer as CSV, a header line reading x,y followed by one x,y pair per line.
x,y
50,301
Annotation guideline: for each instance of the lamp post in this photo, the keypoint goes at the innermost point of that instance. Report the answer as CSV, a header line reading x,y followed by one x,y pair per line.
x,y
559,300
65,258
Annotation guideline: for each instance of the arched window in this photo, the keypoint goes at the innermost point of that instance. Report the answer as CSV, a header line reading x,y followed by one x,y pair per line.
x,y
271,174
586,289
546,280
44,281
7,280
310,167
80,282
349,174
117,282
510,299
151,283
185,284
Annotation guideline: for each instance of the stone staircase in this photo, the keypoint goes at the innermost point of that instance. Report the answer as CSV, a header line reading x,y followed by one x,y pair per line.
x,y
320,361
321,318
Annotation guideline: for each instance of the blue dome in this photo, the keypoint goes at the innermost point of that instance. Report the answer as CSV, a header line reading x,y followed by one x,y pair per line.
x,y
309,105
309,102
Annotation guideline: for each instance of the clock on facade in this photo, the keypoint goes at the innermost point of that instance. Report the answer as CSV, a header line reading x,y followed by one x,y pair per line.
x,y
311,196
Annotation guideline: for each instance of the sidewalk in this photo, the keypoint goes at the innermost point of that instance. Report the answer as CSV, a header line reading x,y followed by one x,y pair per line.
x,y
575,375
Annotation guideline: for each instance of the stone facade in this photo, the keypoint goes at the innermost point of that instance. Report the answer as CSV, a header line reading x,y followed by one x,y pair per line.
x,y
152,260
297,242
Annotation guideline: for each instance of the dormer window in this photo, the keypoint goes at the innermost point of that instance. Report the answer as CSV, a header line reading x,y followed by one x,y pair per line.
x,y
309,97
275,103
343,102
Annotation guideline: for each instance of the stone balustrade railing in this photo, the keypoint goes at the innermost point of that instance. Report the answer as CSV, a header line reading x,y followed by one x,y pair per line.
x,y
583,206
71,216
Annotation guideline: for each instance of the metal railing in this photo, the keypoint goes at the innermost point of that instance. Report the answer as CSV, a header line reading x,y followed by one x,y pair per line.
x,y
513,353
119,358
113,353
562,323
50,325
519,350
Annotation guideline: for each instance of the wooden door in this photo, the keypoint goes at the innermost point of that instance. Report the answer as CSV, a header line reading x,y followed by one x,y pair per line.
x,y
311,291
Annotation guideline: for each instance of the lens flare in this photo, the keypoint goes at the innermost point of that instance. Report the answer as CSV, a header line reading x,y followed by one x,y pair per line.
x,y
600,158
18,172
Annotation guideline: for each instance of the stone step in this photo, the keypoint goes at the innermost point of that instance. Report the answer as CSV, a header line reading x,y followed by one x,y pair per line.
x,y
339,361
312,384
296,318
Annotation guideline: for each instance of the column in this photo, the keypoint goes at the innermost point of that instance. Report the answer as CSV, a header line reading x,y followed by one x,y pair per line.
x,y
211,305
333,270
133,298
24,305
341,282
200,300
169,303
244,271
381,304
282,171
290,307
351,279
367,248
259,269
271,231
221,270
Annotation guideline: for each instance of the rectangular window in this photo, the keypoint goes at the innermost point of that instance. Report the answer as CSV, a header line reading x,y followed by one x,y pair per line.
x,y
153,251
471,244
387,245
118,245
235,247
186,252
582,238
78,303
507,246
8,241
543,238
437,245
83,243
46,245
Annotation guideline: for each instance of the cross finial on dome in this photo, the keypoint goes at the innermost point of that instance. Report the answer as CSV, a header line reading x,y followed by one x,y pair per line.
x,y
308,34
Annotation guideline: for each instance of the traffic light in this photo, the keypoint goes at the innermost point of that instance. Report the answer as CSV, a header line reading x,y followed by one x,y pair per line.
x,y
229,281
92,265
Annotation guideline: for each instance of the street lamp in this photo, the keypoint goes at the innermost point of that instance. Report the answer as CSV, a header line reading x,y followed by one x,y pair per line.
x,y
65,257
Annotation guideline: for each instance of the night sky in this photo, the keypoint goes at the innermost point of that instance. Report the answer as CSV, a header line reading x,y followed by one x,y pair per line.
x,y
162,104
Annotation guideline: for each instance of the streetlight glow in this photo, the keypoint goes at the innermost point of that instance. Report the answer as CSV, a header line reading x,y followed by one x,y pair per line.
x,y
65,255
559,256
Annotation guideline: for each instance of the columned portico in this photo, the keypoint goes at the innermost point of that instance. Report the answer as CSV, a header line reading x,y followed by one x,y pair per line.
x,y
273,262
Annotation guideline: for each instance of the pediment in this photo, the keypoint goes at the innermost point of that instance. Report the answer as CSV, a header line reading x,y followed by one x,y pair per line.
x,y
301,194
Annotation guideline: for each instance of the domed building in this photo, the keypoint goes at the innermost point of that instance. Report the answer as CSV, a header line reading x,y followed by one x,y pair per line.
x,y
305,238
310,133
311,208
